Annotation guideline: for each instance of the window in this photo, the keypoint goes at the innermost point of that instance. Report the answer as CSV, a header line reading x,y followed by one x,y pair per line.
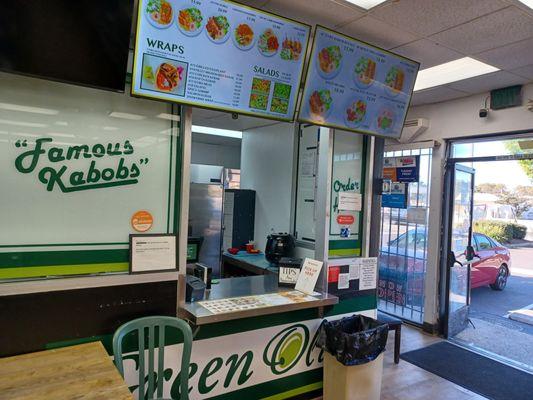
x,y
483,242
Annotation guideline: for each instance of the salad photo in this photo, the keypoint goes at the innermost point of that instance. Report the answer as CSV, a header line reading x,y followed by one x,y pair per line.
x,y
291,49
279,105
190,21
217,28
320,103
258,101
268,43
355,112
365,71
243,36
394,80
159,13
261,85
329,61
385,120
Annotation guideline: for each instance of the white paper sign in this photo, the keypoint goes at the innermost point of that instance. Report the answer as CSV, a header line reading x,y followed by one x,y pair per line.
x,y
417,215
344,281
349,201
368,274
308,275
153,253
354,270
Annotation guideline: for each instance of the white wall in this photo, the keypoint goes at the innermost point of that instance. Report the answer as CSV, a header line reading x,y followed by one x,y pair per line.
x,y
216,154
458,119
266,167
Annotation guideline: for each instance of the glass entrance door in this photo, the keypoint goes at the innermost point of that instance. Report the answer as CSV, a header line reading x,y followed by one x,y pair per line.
x,y
459,249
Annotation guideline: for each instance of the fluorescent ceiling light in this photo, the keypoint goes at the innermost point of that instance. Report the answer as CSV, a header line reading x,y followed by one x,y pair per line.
x,y
170,117
134,117
366,4
452,71
22,123
110,128
528,3
35,110
217,132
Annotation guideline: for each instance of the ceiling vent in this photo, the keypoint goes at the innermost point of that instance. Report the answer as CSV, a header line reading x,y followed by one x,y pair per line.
x,y
413,128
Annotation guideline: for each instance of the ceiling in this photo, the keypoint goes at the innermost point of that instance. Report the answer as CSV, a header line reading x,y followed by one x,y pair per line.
x,y
498,32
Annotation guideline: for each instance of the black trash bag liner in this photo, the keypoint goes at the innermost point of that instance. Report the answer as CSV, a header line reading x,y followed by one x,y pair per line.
x,y
353,340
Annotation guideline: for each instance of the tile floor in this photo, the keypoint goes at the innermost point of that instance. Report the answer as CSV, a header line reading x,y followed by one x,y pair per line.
x,y
405,381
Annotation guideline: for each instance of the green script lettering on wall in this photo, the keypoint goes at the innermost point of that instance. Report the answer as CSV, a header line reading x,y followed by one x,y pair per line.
x,y
338,186
57,172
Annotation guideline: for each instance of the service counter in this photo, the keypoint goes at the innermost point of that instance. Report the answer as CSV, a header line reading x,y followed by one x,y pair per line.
x,y
250,286
244,264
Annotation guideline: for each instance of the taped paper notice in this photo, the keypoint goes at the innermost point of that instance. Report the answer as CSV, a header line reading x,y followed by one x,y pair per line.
x,y
344,281
349,201
354,270
368,273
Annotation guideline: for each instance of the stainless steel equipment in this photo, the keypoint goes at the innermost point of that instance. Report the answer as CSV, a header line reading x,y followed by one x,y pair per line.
x,y
205,220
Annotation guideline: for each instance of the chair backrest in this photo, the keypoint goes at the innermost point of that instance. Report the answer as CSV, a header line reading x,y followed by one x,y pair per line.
x,y
150,324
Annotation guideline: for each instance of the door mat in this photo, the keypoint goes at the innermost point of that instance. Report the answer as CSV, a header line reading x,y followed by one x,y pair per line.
x,y
472,371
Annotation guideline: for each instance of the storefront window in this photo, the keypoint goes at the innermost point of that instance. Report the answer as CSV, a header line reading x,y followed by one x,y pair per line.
x,y
78,165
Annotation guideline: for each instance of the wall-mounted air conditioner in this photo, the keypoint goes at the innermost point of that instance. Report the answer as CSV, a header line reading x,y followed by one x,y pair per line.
x,y
413,128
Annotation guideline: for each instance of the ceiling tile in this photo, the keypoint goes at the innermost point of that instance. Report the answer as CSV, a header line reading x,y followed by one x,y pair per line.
x,y
436,95
427,17
511,56
488,32
328,13
377,32
526,72
427,53
485,83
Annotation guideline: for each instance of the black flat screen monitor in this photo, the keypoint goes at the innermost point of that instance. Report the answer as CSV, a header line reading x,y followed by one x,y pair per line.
x,y
85,42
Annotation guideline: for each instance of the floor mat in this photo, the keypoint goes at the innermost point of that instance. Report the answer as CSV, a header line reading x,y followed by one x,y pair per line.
x,y
472,371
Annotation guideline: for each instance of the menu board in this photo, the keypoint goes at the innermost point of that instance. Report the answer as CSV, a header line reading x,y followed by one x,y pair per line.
x,y
219,54
354,86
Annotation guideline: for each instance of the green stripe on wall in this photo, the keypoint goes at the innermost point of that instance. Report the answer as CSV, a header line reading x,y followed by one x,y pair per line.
x,y
56,258
296,392
54,270
343,244
345,253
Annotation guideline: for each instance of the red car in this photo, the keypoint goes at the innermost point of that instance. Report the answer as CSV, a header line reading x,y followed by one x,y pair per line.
x,y
402,266
494,265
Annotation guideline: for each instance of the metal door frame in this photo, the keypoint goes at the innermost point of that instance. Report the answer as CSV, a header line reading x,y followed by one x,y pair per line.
x,y
446,234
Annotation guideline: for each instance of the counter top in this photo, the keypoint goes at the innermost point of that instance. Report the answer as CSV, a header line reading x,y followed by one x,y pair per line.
x,y
84,282
248,286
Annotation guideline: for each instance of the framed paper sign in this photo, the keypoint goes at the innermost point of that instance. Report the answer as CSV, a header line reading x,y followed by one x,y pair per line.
x,y
153,252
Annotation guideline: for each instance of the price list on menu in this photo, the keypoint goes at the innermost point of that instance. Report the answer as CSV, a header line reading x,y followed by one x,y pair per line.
x,y
355,86
219,54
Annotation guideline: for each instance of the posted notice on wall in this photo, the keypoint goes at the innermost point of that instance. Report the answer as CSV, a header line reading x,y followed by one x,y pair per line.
x,y
355,86
308,276
220,55
350,201
149,253
368,273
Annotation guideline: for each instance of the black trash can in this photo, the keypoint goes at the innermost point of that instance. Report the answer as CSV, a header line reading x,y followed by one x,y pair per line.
x,y
353,357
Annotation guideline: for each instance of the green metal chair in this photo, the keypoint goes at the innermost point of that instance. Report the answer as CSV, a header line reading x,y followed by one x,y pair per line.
x,y
139,326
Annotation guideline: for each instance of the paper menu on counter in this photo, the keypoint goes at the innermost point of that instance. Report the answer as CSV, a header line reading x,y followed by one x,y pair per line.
x,y
308,276
221,55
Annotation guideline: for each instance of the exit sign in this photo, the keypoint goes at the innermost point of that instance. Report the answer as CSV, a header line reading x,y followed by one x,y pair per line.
x,y
507,97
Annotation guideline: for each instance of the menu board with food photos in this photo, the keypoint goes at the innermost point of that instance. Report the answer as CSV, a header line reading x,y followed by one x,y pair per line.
x,y
219,54
354,86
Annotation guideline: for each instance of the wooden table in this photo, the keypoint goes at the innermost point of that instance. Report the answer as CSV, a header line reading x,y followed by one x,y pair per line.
x,y
83,372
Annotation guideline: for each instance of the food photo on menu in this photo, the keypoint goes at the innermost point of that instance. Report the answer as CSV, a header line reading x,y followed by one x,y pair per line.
x,y
163,75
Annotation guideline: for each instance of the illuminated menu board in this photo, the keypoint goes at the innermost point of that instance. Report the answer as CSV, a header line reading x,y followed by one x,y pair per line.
x,y
354,86
219,55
